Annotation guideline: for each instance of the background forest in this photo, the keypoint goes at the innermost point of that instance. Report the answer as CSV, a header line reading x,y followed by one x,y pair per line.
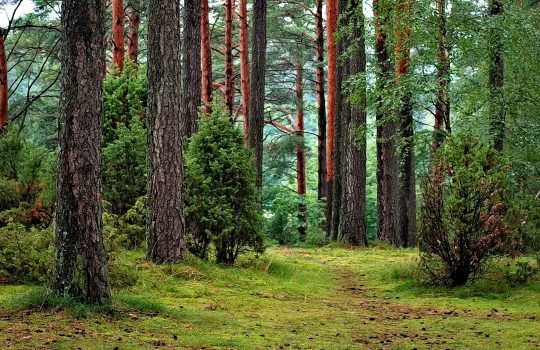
x,y
296,132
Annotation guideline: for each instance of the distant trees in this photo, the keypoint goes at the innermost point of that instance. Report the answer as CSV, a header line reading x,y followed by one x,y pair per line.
x,y
80,252
496,75
3,81
118,34
134,16
166,225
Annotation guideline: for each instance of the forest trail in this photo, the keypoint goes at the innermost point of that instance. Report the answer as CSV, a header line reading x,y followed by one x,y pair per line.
x,y
328,298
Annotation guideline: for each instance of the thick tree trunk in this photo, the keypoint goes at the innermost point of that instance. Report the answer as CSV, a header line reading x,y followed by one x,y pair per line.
x,y
118,34
355,178
80,252
301,152
192,75
321,103
407,180
387,163
134,17
258,73
442,106
331,28
166,226
496,76
206,56
244,67
229,67
3,81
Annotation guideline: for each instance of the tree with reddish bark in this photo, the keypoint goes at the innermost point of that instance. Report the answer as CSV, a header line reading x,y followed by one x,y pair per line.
x,y
228,52
206,57
244,67
118,34
134,16
301,152
321,102
3,81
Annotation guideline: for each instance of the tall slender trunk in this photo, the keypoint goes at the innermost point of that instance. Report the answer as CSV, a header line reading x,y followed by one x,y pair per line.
x,y
331,28
206,56
258,73
80,251
355,178
3,81
166,226
442,106
244,66
387,163
301,152
407,173
192,74
118,34
496,75
321,103
134,17
229,68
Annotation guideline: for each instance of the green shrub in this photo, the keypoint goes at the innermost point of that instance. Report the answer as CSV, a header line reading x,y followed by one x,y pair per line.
x,y
133,223
221,197
465,216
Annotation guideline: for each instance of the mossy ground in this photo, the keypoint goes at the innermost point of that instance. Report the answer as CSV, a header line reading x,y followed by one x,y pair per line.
x,y
327,298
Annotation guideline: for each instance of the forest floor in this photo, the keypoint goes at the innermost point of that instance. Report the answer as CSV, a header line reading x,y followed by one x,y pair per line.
x,y
327,298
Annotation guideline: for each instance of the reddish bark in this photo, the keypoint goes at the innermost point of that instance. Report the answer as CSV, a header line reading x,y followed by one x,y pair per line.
x,y
244,67
134,17
442,106
229,68
206,56
331,27
118,34
321,102
301,152
3,82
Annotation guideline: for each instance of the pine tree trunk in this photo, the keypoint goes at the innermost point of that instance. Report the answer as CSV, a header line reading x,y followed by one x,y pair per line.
x,y
166,226
301,152
257,81
118,34
134,17
442,106
80,252
229,67
331,28
206,56
321,103
244,67
355,178
407,180
192,75
387,163
496,75
3,81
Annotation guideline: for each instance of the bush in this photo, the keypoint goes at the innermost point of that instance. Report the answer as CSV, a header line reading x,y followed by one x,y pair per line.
x,y
464,215
221,197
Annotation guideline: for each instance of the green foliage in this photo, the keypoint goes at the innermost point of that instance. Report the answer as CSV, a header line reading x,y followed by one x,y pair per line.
x,y
221,197
465,216
125,146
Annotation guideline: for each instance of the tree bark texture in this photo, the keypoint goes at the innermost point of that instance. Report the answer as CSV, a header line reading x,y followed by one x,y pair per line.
x,y
192,75
387,162
442,106
355,177
407,171
4,88
496,75
134,17
321,103
166,226
258,73
80,252
206,56
301,152
229,67
118,34
244,67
